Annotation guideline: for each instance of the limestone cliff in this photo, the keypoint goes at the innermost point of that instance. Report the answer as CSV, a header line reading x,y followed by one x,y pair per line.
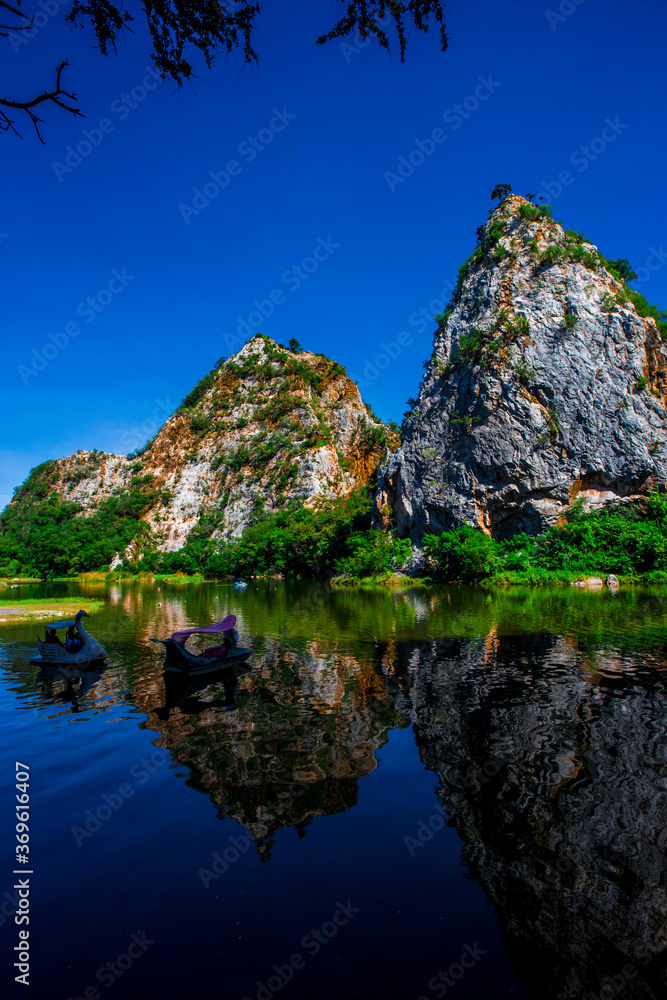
x,y
545,384
265,427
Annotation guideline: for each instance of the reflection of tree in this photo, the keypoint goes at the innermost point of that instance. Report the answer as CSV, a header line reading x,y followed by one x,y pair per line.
x,y
305,730
565,829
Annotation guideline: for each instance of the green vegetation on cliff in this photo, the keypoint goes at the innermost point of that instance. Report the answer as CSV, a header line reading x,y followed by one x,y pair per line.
x,y
47,538
332,537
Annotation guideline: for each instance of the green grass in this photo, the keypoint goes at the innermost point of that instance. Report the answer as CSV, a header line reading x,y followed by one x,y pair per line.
x,y
392,580
34,608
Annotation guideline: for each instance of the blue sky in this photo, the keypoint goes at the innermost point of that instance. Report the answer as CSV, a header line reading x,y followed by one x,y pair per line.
x,y
136,285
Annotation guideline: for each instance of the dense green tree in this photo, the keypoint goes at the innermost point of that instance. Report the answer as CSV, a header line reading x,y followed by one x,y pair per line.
x,y
501,191
626,540
623,268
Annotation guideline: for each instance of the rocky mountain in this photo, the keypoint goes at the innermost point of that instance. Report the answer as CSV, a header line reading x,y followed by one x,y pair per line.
x,y
545,384
266,426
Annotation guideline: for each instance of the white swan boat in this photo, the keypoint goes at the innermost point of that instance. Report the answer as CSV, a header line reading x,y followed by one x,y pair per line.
x,y
52,650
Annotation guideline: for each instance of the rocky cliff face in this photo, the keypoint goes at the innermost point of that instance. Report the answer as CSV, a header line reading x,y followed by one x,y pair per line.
x,y
266,427
544,385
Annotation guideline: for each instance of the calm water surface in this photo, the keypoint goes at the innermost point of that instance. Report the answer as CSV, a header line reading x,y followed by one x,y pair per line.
x,y
412,795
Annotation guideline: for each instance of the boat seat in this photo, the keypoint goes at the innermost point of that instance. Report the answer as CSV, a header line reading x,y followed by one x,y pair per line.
x,y
215,651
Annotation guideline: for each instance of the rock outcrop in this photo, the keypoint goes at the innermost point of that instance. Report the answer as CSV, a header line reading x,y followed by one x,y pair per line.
x,y
265,427
545,385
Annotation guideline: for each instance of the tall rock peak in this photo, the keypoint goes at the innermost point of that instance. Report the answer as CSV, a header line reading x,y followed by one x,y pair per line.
x,y
545,384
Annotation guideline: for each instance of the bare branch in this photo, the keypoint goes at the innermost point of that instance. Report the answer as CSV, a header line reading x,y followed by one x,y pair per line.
x,y
15,27
55,96
213,27
14,10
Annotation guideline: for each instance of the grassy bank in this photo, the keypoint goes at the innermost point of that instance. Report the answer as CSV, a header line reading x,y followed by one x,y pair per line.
x,y
392,580
36,609
114,576
564,578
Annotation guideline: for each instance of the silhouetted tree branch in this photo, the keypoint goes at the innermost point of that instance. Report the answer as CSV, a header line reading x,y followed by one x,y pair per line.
x,y
14,27
214,26
365,17
7,123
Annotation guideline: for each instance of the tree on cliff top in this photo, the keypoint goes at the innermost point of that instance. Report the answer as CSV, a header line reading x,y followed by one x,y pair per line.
x,y
212,27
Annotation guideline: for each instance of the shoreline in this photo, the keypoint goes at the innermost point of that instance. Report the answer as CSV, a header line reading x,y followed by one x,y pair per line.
x,y
37,609
392,581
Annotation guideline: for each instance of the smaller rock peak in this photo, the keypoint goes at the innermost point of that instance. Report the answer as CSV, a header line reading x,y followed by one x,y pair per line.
x,y
263,344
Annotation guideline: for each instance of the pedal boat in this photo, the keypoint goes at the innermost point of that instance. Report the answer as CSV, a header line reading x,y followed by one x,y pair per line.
x,y
57,654
180,660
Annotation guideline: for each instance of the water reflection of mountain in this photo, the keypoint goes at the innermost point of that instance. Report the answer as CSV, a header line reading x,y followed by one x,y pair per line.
x,y
304,728
553,768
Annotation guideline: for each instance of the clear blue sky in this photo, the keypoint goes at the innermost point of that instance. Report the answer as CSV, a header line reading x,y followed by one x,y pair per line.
x,y
549,86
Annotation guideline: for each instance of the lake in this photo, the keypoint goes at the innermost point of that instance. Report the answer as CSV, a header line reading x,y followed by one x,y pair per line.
x,y
434,792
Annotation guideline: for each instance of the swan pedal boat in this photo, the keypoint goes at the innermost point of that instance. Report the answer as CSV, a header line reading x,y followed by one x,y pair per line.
x,y
56,653
180,660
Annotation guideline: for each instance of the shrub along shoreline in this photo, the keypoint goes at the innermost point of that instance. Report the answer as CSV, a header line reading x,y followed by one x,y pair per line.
x,y
624,539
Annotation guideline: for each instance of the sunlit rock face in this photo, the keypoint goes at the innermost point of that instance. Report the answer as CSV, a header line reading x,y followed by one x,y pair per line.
x,y
266,427
544,385
553,768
